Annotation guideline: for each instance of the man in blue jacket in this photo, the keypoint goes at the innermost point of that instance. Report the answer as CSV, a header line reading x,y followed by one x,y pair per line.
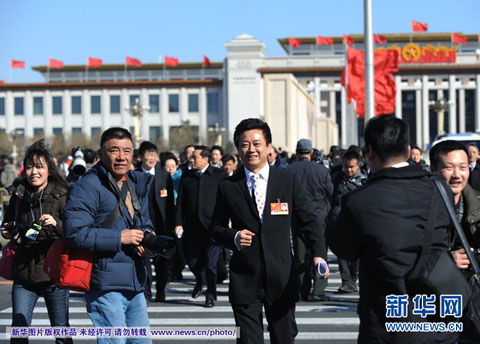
x,y
116,296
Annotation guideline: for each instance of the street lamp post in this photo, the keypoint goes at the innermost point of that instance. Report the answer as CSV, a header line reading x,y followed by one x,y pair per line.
x,y
137,110
439,106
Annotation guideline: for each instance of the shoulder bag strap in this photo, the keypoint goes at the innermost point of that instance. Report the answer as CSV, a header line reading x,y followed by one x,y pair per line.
x,y
108,223
428,233
457,225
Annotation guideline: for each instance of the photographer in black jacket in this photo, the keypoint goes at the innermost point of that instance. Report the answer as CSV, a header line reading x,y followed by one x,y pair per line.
x,y
383,224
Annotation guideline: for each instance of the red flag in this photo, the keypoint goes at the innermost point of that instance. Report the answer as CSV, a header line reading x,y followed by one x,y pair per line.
x,y
171,61
386,62
55,63
206,61
379,39
293,42
349,40
419,26
2,82
133,62
93,62
457,38
324,40
18,64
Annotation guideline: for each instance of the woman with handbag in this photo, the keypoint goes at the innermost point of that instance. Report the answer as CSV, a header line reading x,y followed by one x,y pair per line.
x,y
33,218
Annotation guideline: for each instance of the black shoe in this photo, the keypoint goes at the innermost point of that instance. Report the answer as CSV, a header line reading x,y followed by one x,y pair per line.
x,y
197,291
346,288
209,303
317,298
160,298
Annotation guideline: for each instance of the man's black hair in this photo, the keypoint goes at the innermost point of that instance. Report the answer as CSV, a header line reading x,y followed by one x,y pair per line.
x,y
40,150
351,154
250,124
227,157
147,146
187,147
88,155
416,147
115,133
205,152
472,145
388,136
443,148
219,148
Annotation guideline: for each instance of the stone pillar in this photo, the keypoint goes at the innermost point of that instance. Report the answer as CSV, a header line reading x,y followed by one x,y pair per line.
x,y
343,129
398,96
461,110
418,116
202,108
452,107
317,96
425,113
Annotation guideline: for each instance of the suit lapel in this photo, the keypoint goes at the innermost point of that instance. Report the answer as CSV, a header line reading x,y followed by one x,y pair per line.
x,y
270,188
242,183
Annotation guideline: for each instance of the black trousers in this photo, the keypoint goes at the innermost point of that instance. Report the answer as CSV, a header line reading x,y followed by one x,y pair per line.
x,y
280,317
202,257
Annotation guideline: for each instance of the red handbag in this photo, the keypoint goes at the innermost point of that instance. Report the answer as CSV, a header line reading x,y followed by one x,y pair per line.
x,y
6,262
69,268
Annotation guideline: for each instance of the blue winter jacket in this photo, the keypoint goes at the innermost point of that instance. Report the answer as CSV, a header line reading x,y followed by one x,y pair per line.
x,y
90,201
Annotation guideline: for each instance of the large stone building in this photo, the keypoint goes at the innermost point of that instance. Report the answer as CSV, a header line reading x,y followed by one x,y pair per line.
x,y
298,94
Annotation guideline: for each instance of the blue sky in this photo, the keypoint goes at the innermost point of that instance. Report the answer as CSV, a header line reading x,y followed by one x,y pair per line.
x,y
71,30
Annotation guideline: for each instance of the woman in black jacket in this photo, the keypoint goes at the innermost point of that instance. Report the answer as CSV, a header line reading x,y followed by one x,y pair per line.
x,y
36,206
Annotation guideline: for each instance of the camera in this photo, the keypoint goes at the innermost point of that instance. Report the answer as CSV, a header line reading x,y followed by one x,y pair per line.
x,y
12,228
159,244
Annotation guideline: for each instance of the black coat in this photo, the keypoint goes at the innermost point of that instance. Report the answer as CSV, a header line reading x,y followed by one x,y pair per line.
x,y
196,201
383,223
474,178
30,254
270,249
160,202
317,183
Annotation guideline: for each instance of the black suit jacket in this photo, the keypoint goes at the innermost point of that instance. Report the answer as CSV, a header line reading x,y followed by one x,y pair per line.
x,y
474,179
160,203
196,201
270,255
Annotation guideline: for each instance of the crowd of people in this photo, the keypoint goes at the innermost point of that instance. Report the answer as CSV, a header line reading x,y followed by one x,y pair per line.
x,y
237,216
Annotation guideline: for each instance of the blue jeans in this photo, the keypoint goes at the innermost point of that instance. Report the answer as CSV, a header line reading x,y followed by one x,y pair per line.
x,y
118,309
24,298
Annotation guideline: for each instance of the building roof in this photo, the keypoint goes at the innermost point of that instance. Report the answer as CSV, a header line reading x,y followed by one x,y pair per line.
x,y
145,66
391,38
114,84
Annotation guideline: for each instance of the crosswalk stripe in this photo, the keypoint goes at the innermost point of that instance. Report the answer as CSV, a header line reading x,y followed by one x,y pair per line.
x,y
201,321
218,309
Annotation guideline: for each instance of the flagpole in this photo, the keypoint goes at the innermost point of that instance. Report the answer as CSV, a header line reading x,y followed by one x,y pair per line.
x,y
10,75
369,80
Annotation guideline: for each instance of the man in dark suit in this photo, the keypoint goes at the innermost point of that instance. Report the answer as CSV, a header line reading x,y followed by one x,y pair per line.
x,y
474,179
259,201
162,213
195,204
